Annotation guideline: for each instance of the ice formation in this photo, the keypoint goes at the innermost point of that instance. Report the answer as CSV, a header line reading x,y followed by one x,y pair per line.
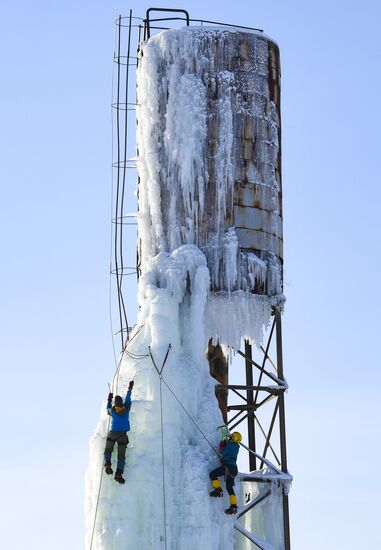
x,y
184,255
192,121
173,296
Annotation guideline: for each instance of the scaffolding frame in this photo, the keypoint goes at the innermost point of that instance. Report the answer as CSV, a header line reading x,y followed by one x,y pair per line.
x,y
268,390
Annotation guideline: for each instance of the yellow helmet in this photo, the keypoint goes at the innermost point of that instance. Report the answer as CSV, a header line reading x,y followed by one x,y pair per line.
x,y
236,437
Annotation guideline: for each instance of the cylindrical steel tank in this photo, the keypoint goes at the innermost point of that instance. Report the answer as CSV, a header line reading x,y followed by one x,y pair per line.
x,y
211,97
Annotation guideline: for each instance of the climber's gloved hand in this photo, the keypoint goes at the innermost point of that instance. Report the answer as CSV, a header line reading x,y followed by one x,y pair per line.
x,y
131,385
110,396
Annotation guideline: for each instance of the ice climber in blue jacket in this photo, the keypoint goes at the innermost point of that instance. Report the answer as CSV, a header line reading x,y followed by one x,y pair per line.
x,y
120,425
229,453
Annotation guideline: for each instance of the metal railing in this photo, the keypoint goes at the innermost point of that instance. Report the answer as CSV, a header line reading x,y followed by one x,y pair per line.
x,y
148,21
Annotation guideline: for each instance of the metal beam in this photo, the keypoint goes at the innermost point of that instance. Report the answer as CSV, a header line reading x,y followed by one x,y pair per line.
x,y
265,358
250,405
242,408
270,389
250,402
272,376
240,420
234,417
282,427
267,442
253,503
252,538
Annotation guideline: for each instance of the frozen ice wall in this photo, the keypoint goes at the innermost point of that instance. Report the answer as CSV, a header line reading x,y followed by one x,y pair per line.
x,y
188,245
165,502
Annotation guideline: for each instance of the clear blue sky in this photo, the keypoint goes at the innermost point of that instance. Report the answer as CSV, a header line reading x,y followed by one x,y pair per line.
x,y
56,355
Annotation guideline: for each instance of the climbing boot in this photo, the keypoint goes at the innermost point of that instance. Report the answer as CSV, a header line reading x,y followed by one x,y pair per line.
x,y
231,510
233,506
217,489
108,469
118,477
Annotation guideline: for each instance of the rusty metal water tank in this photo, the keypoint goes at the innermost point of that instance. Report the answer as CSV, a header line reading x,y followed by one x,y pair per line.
x,y
209,147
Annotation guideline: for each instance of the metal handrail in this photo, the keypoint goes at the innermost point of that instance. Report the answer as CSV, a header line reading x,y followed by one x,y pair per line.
x,y
225,24
147,28
187,19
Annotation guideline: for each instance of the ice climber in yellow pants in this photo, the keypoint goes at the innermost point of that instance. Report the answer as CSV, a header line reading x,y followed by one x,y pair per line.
x,y
228,469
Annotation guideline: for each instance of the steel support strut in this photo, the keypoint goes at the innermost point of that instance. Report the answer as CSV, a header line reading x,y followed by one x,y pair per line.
x,y
282,426
250,402
263,386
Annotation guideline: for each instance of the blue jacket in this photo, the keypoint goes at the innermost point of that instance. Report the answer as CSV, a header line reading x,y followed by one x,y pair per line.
x,y
229,453
120,422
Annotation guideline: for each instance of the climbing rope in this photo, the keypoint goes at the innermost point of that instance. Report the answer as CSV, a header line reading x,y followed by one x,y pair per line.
x,y
159,371
191,418
162,465
134,356
178,400
98,496
162,381
115,238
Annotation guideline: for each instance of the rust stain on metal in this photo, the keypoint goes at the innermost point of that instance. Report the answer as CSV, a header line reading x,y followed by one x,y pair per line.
x,y
254,203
